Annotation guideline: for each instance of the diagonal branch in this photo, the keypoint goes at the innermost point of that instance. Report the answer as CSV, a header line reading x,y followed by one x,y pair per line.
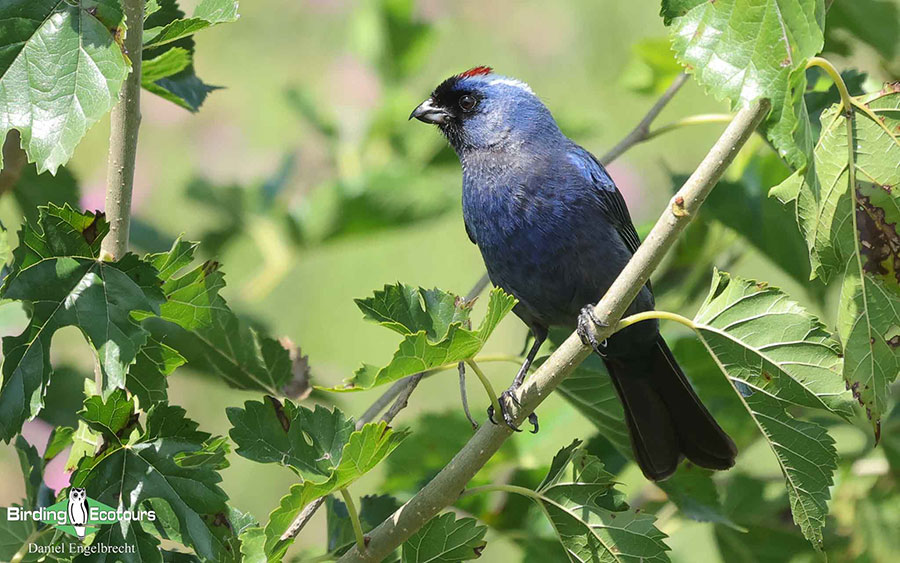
x,y
446,487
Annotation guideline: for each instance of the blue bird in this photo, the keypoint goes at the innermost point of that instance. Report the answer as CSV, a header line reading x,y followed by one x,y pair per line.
x,y
555,232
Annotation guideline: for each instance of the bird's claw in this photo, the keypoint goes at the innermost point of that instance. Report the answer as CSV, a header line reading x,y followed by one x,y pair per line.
x,y
509,395
588,323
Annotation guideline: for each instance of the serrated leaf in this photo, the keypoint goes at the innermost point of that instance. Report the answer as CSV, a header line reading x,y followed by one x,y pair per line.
x,y
436,328
744,50
196,321
364,450
57,272
143,467
110,416
590,390
168,70
445,539
207,14
807,458
777,355
60,71
853,229
762,339
147,376
308,441
590,517
253,545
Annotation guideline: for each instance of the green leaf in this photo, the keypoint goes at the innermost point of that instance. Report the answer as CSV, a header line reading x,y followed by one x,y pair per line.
x,y
590,516
60,72
56,271
253,545
197,322
309,442
147,376
61,437
445,539
142,466
807,458
590,390
364,449
436,329
777,355
743,51
847,206
32,469
112,416
168,70
207,14
763,340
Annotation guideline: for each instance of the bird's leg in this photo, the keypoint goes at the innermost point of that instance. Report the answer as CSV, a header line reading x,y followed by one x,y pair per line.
x,y
462,393
588,323
540,334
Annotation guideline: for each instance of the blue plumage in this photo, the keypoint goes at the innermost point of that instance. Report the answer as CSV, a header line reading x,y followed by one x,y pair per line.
x,y
554,231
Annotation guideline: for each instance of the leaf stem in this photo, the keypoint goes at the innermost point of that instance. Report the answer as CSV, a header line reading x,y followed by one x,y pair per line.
x,y
524,491
354,519
690,120
825,64
125,121
488,388
647,315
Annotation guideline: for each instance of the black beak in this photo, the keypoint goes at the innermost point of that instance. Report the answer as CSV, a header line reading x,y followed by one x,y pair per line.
x,y
427,112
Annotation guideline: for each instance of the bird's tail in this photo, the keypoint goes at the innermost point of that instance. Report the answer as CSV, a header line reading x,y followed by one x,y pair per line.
x,y
665,418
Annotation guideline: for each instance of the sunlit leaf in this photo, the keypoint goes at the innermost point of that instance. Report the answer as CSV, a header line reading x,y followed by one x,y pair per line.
x,y
742,51
848,206
436,327
57,272
60,72
777,355
361,453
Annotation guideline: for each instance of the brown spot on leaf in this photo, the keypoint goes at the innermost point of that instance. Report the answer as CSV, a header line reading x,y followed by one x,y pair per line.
x,y
478,549
279,412
891,87
91,231
879,240
894,341
366,540
766,375
221,520
786,62
209,267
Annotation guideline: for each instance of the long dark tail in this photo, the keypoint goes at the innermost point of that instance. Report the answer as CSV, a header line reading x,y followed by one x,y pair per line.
x,y
666,419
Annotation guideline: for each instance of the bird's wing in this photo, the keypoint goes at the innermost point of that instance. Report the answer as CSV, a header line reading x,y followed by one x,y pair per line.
x,y
608,196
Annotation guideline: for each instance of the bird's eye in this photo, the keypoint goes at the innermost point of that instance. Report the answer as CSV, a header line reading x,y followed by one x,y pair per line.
x,y
467,102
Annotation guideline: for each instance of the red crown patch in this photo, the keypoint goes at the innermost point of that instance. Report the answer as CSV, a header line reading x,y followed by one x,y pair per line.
x,y
477,71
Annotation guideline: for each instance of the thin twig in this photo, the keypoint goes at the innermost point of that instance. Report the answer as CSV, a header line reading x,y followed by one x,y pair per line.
x,y
641,132
403,397
445,488
124,123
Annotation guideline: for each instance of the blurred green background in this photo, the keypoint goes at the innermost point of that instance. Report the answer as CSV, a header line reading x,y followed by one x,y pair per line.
x,y
305,163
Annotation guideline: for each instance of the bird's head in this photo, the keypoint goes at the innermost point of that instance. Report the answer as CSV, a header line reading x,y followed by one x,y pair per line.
x,y
478,109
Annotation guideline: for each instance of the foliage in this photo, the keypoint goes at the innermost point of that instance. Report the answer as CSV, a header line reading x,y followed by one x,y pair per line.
x,y
775,376
436,329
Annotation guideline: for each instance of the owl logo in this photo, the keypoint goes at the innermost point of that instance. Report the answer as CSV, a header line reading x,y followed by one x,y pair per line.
x,y
78,510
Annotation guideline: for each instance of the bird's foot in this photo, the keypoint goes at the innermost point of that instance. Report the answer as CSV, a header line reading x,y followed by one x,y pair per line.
x,y
509,396
588,323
